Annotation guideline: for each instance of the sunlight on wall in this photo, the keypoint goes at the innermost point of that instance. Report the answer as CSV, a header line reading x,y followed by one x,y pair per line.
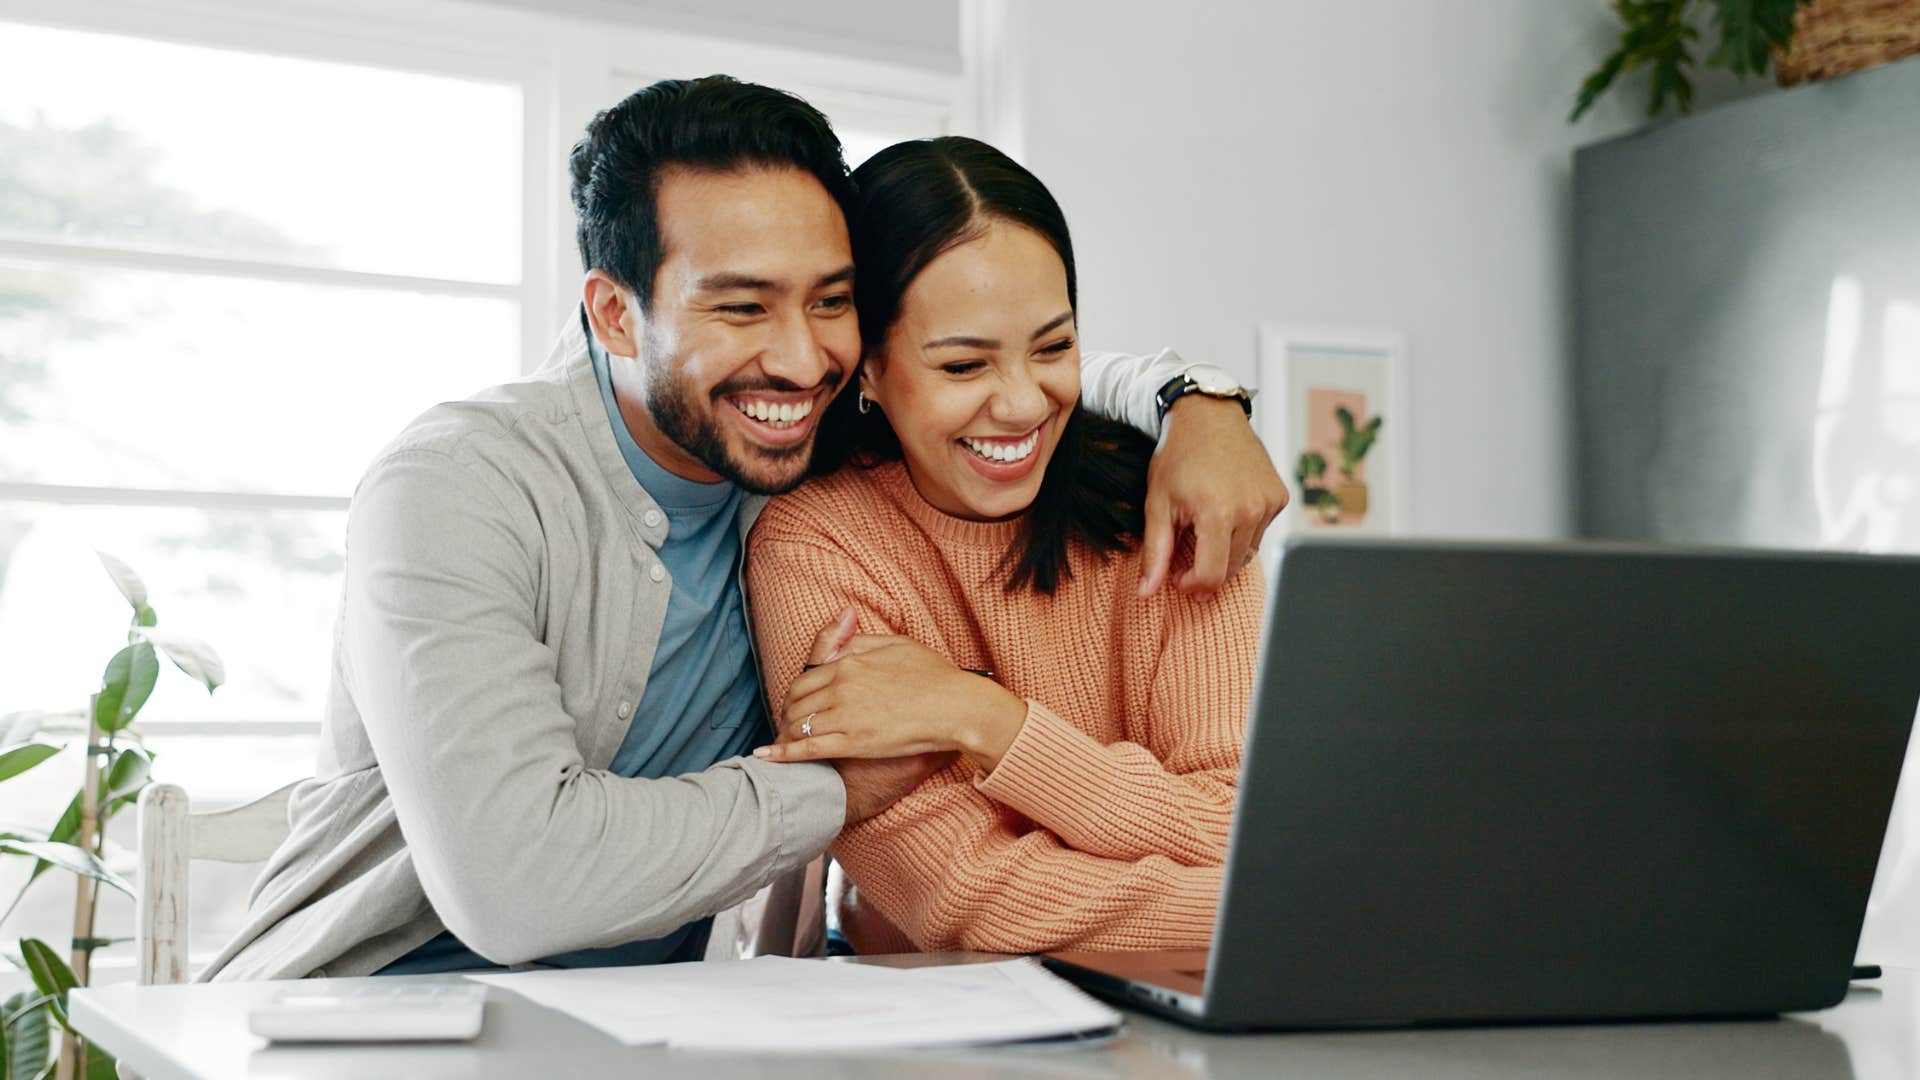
x,y
1866,436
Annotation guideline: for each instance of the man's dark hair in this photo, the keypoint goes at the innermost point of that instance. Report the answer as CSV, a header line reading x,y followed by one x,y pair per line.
x,y
913,201
716,123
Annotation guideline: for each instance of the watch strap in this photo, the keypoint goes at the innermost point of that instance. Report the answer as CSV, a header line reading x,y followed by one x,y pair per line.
x,y
1183,384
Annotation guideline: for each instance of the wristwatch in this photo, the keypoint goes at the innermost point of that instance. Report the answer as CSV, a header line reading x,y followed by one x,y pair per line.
x,y
1203,379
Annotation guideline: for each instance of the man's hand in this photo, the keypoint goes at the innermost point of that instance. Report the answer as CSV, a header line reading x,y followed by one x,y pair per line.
x,y
873,784
1212,475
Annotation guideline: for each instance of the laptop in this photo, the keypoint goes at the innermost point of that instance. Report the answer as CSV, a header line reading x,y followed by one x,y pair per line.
x,y
1513,783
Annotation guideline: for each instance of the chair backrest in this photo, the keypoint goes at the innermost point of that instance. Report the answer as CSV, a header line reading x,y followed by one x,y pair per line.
x,y
171,836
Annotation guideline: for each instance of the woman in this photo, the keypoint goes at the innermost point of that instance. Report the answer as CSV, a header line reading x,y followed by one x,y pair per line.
x,y
982,530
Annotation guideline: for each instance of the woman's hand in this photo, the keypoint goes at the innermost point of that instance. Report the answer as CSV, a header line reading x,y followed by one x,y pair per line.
x,y
873,784
888,696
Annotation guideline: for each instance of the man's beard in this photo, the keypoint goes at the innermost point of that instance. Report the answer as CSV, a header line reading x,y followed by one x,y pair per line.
x,y
674,406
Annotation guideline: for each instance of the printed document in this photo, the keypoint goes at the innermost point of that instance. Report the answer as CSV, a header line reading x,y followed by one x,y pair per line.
x,y
783,1004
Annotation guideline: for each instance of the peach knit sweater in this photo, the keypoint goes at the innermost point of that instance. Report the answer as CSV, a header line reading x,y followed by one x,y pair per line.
x,y
1105,824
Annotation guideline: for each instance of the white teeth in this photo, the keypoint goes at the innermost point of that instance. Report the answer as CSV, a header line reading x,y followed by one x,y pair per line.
x,y
778,415
1003,452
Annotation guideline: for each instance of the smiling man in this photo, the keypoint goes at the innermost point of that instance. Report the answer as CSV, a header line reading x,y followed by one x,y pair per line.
x,y
749,329
543,684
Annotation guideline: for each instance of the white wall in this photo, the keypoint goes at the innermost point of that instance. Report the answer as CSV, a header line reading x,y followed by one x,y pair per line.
x,y
1379,163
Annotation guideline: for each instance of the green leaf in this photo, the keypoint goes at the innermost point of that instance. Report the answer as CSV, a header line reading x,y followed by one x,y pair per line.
x,y
125,686
129,772
1597,83
29,1034
18,759
113,687
68,857
127,776
100,1064
1654,35
50,973
63,832
126,581
68,826
1311,466
1669,81
17,1006
190,655
1747,30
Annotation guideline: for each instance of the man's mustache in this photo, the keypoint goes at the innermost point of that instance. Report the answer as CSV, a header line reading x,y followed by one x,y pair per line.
x,y
747,384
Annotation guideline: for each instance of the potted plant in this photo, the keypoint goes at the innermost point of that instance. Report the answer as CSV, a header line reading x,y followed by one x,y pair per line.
x,y
1308,472
1355,441
117,766
1803,39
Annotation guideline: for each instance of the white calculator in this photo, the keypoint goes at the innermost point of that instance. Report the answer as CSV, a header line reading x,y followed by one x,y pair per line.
x,y
416,1012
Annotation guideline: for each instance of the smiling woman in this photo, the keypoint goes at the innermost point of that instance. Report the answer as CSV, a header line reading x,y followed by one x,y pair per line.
x,y
987,411
976,520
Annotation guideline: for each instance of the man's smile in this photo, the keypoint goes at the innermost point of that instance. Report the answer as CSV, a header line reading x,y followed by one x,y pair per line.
x,y
774,418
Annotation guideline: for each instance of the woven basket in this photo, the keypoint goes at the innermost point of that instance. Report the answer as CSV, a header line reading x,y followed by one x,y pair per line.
x,y
1834,37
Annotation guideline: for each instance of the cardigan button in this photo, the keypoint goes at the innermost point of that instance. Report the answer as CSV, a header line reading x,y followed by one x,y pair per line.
x,y
651,517
658,573
623,710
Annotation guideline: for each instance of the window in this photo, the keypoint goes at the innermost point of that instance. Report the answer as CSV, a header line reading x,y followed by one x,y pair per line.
x,y
239,250
214,307
226,279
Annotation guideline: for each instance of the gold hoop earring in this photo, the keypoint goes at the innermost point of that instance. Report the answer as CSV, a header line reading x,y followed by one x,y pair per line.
x,y
865,403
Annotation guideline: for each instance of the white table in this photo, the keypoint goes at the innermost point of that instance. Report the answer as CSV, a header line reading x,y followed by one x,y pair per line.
x,y
177,1032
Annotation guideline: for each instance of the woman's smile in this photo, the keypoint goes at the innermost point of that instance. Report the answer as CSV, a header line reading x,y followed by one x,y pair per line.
x,y
999,458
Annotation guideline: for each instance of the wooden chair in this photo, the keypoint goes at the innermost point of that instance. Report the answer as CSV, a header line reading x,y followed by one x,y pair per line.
x,y
171,835
777,920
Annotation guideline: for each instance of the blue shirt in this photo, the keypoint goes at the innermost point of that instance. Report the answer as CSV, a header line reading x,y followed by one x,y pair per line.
x,y
702,704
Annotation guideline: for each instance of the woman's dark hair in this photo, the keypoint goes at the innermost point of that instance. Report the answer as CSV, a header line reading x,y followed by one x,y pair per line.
x,y
717,123
912,202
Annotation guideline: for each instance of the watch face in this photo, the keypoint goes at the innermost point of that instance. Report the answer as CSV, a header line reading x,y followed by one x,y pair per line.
x,y
1211,380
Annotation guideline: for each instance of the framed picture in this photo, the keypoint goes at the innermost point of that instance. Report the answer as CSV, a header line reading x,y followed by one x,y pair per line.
x,y
1332,411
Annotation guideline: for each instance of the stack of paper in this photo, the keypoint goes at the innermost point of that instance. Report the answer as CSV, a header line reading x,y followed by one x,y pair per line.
x,y
776,1003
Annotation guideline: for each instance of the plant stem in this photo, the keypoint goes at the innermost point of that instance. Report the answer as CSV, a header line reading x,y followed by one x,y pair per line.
x,y
85,889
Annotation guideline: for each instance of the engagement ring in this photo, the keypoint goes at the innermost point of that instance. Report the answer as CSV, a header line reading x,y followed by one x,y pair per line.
x,y
806,726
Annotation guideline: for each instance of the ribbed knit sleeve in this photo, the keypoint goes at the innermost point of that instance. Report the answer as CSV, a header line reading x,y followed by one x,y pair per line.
x,y
953,870
1169,790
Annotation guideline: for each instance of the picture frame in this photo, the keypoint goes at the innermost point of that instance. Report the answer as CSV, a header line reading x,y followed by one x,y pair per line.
x,y
1348,476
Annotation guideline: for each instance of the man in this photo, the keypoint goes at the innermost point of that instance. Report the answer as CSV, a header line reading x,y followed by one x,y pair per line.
x,y
542,677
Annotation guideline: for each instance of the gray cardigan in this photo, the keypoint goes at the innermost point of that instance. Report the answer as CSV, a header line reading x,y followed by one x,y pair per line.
x,y
502,604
